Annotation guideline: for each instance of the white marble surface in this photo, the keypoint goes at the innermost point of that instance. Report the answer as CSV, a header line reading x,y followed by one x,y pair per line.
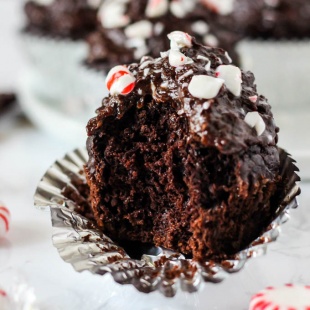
x,y
25,154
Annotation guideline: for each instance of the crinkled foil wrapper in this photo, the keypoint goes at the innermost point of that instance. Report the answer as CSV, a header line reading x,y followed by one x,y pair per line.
x,y
85,247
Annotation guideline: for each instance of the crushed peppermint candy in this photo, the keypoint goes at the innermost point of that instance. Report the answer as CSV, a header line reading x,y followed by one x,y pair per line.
x,y
142,29
204,86
232,77
176,59
180,39
228,57
156,8
180,8
120,81
112,14
200,27
211,40
208,66
92,3
253,98
254,120
221,7
164,54
186,74
203,58
177,9
288,297
158,28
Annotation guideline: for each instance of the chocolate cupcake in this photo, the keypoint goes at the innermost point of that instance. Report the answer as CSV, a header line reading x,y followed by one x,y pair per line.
x,y
183,153
54,43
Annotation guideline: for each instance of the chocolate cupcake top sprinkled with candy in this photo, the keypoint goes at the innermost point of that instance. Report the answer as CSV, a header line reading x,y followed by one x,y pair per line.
x,y
219,100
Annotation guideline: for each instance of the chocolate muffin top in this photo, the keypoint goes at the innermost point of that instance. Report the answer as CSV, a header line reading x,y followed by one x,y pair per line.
x,y
72,19
129,29
219,100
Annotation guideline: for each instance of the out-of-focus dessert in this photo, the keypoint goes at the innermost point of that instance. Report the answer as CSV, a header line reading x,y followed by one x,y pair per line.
x,y
54,45
61,18
129,30
282,19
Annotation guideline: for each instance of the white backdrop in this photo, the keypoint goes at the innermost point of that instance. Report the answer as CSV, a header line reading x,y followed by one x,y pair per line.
x,y
11,21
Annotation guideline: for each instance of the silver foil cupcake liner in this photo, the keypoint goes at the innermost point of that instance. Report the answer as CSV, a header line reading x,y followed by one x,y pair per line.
x,y
82,245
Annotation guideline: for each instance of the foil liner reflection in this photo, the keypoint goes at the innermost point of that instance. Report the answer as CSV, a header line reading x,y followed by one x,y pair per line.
x,y
148,268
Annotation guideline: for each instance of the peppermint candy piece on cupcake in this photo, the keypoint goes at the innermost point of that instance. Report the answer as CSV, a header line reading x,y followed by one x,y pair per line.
x,y
232,77
204,86
120,81
5,220
156,8
179,39
288,297
254,120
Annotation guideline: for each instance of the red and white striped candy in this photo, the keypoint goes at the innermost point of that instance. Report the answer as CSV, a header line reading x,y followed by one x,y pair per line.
x,y
5,219
180,39
288,297
120,81
156,8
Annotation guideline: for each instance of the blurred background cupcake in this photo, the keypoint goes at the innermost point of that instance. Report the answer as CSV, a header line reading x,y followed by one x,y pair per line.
x,y
54,45
128,30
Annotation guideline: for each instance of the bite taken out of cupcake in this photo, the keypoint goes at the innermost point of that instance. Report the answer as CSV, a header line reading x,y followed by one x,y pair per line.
x,y
183,153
